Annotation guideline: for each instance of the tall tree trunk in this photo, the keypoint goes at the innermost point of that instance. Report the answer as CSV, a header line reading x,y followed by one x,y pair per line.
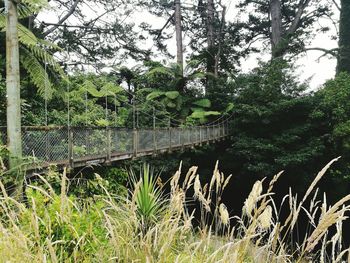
x,y
179,44
178,29
276,28
14,141
210,44
220,40
344,38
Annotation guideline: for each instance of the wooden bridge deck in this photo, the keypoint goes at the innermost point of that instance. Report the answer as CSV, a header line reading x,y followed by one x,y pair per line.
x,y
84,146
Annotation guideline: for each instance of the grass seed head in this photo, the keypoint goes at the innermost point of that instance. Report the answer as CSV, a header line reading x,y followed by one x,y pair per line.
x,y
253,198
265,218
224,215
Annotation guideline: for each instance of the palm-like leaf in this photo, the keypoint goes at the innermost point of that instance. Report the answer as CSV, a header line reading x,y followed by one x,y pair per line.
x,y
33,54
37,73
147,196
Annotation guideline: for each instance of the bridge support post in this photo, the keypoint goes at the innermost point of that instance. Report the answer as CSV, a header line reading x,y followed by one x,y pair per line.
x,y
182,137
135,142
170,140
227,129
208,132
154,141
109,145
70,148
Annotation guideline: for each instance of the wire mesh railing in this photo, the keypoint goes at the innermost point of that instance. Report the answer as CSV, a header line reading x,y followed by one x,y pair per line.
x,y
63,145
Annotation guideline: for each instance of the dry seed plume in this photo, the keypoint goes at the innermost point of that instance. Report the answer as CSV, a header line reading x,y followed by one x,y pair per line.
x,y
253,198
224,215
197,187
265,218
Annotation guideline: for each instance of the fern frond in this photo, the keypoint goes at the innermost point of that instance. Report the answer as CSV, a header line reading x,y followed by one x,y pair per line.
x,y
2,22
37,47
111,89
35,5
91,89
37,73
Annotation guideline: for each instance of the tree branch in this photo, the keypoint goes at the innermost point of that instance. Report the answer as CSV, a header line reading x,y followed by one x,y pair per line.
x,y
336,5
165,25
70,12
333,51
294,26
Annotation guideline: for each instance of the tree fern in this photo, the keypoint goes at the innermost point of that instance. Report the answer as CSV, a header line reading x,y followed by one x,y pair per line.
x,y
33,54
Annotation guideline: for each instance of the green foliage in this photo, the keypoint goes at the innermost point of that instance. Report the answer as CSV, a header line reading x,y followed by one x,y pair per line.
x,y
205,103
147,195
34,54
332,117
272,128
35,5
202,115
257,26
172,94
64,223
87,98
62,228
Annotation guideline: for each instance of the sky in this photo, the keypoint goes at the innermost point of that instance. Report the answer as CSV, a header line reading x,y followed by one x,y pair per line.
x,y
309,65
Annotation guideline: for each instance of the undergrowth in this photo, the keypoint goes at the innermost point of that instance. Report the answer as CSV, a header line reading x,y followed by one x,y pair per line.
x,y
149,224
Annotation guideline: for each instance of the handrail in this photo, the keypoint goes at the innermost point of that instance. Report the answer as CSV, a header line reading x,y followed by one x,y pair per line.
x,y
78,146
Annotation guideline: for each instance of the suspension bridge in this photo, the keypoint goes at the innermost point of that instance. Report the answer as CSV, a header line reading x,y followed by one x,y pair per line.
x,y
68,146
85,146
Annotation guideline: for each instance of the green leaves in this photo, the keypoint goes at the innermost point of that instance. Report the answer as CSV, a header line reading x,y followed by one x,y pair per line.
x,y
35,5
169,94
155,94
91,89
160,70
37,73
202,114
170,99
172,94
109,89
205,103
147,196
229,107
34,56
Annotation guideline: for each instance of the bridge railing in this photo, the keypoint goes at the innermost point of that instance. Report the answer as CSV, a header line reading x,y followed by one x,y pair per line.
x,y
63,145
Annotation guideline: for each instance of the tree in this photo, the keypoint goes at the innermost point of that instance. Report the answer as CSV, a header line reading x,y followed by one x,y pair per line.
x,y
344,38
332,115
272,127
211,38
13,113
35,54
96,32
172,11
212,28
178,29
24,49
287,25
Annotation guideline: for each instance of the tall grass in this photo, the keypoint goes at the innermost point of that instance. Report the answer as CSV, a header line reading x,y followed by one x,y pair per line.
x,y
150,226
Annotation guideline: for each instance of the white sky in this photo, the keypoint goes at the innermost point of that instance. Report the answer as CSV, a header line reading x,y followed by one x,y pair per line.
x,y
309,66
